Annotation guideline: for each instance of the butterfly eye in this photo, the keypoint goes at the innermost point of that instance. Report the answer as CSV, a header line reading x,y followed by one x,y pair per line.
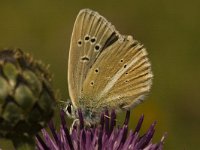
x,y
69,108
121,60
79,43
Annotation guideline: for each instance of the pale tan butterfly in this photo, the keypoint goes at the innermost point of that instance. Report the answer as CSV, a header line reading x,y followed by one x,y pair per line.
x,y
106,70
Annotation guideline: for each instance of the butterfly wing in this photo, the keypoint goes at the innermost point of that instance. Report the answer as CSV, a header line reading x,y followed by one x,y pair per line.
x,y
120,77
91,34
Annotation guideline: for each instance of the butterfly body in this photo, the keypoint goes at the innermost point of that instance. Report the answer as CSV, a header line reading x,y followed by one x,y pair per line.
x,y
106,70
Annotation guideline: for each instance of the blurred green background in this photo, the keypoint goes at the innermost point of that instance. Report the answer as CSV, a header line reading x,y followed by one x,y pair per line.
x,y
169,30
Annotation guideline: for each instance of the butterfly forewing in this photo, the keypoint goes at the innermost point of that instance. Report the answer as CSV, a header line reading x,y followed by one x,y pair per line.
x,y
91,34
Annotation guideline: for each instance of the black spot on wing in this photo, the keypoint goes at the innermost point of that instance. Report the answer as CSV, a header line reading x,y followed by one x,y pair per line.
x,y
96,70
85,59
97,47
113,38
92,83
93,40
87,37
79,43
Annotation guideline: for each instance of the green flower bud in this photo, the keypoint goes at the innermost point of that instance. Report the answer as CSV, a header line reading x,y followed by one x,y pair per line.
x,y
27,100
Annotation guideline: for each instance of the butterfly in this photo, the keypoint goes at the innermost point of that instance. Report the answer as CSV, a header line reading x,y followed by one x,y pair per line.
x,y
106,70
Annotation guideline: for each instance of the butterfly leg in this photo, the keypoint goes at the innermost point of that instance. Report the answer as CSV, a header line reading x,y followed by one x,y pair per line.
x,y
75,123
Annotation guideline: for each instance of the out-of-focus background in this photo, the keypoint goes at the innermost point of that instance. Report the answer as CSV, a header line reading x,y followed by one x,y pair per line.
x,y
169,29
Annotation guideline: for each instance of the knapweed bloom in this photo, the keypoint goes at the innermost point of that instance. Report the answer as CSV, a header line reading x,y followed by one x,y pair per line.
x,y
105,136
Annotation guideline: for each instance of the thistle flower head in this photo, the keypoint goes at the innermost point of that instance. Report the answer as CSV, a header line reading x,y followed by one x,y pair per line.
x,y
104,136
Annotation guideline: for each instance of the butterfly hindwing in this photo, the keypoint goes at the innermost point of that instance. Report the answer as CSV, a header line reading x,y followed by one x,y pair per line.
x,y
120,77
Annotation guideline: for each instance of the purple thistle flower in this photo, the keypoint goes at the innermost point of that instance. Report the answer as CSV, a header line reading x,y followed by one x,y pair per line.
x,y
105,136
